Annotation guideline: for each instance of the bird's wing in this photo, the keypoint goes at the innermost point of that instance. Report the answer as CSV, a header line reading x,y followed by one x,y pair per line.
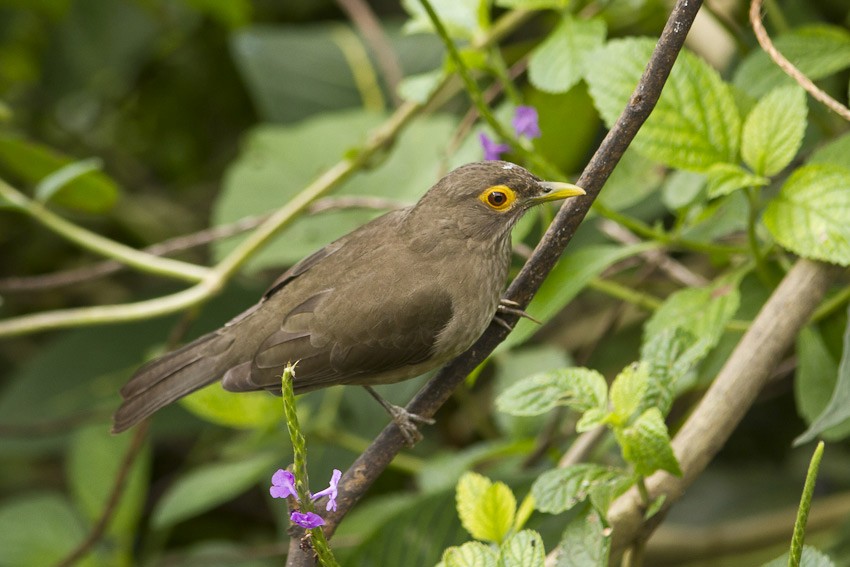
x,y
336,340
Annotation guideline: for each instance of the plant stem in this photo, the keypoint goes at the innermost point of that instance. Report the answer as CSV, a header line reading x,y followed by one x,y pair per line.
x,y
796,552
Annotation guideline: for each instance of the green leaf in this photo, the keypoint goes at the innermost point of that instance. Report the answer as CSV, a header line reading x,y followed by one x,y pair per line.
x,y
817,51
39,529
646,444
681,189
50,185
773,131
695,123
417,88
670,356
586,541
245,410
579,388
89,191
809,216
557,64
523,549
817,375
569,277
94,460
835,152
627,392
486,508
812,557
461,18
558,490
621,191
470,554
208,486
703,312
533,4
724,178
837,411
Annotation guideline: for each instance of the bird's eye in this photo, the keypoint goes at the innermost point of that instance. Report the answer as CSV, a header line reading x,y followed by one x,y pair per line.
x,y
498,197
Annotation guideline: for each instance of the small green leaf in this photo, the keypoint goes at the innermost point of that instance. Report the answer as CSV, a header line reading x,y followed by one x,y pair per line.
x,y
558,490
557,64
654,507
523,549
470,554
695,123
773,131
460,17
815,382
586,541
809,216
50,185
486,509
837,411
724,178
208,486
670,356
646,444
627,392
579,388
246,410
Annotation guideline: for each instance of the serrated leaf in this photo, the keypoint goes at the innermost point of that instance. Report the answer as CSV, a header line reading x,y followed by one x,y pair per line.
x,y
627,391
695,123
837,411
773,131
523,549
470,554
586,542
558,490
486,509
207,487
579,388
461,18
557,64
245,410
670,356
646,444
809,216
725,178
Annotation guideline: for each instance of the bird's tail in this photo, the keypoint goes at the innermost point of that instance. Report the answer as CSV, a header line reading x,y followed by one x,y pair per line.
x,y
177,374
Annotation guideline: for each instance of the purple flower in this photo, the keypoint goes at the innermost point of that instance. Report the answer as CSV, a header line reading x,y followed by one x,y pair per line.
x,y
308,520
283,485
525,122
330,491
492,150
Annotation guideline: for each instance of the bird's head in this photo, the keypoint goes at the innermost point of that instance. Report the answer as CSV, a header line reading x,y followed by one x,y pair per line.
x,y
485,199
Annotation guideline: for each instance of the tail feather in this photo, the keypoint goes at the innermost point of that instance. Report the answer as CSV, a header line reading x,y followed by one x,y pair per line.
x,y
171,377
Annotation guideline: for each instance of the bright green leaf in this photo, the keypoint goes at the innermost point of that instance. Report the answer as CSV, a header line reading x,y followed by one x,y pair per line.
x,y
558,490
39,529
486,508
245,410
579,388
208,486
695,123
835,152
724,178
470,554
646,444
809,216
557,64
523,549
773,131
586,541
461,18
533,4
627,391
837,411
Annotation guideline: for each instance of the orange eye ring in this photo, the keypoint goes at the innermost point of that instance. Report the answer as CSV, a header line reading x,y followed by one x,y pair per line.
x,y
498,197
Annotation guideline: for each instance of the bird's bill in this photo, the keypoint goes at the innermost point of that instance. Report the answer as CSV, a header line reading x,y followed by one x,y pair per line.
x,y
555,191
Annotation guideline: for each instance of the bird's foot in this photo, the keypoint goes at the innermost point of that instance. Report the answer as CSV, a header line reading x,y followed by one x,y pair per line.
x,y
404,420
512,308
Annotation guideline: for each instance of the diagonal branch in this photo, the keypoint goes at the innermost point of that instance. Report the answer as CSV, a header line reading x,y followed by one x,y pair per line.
x,y
383,449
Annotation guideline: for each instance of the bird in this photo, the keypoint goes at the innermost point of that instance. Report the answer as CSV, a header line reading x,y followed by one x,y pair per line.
x,y
391,300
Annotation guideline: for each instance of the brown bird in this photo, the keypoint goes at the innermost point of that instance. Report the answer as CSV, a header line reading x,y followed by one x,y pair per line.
x,y
391,300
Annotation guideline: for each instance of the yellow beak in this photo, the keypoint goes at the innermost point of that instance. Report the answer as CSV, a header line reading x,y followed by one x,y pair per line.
x,y
555,191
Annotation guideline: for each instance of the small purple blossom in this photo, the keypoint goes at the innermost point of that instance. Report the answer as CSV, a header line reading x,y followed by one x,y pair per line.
x,y
308,520
525,122
492,150
283,485
330,491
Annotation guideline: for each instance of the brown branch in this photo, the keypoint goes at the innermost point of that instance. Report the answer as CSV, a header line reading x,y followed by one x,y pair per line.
x,y
788,67
371,463
138,441
728,398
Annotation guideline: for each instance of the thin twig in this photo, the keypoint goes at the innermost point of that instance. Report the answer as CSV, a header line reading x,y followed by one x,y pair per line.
x,y
788,67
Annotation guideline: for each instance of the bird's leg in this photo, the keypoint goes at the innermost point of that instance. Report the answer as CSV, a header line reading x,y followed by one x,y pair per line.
x,y
512,308
402,418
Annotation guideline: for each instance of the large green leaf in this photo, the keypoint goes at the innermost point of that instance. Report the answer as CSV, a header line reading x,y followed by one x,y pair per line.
x,y
809,216
243,410
557,64
470,554
695,123
773,130
835,152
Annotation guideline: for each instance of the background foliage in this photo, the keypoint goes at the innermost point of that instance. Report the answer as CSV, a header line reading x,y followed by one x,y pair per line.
x,y
143,120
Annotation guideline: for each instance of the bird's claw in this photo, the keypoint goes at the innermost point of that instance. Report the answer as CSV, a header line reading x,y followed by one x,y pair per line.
x,y
512,308
406,422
